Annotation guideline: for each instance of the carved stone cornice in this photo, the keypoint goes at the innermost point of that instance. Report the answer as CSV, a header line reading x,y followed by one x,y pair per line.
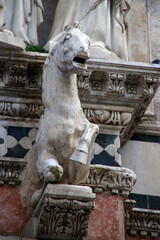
x,y
115,180
20,86
10,170
141,222
114,95
119,94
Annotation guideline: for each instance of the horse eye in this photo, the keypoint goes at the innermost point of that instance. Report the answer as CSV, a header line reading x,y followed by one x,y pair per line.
x,y
68,36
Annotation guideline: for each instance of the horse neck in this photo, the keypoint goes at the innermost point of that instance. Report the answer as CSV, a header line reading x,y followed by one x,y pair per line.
x,y
58,84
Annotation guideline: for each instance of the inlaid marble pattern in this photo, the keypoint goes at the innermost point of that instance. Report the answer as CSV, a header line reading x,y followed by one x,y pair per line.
x,y
106,150
16,141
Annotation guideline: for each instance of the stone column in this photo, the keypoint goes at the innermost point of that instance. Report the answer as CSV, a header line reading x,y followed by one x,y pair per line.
x,y
112,185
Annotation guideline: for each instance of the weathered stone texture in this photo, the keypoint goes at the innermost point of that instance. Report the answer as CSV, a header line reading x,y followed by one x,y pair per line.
x,y
154,33
13,217
137,32
143,159
107,219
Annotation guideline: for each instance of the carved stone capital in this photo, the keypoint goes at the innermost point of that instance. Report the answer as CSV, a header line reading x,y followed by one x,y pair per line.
x,y
115,180
142,222
10,170
62,213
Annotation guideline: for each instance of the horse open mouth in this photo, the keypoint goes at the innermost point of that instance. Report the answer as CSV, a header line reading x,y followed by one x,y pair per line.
x,y
80,61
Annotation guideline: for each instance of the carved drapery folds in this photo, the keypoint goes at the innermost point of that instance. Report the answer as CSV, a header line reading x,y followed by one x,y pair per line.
x,y
113,94
116,180
141,222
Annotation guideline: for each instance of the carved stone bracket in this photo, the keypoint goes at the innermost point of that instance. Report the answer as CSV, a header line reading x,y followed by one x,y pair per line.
x,y
124,91
62,213
10,170
115,180
141,222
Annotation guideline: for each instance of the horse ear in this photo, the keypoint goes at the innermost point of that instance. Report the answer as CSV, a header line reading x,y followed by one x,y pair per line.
x,y
76,25
67,28
53,48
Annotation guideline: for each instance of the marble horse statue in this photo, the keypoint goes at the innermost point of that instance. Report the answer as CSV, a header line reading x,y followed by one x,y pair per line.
x,y
63,148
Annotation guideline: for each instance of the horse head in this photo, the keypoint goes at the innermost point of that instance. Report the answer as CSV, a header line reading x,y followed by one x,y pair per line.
x,y
72,49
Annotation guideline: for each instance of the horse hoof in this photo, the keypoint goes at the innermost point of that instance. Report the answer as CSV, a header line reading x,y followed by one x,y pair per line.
x,y
54,173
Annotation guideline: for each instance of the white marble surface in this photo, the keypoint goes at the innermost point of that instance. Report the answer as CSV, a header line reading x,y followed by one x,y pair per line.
x,y
143,158
64,191
10,42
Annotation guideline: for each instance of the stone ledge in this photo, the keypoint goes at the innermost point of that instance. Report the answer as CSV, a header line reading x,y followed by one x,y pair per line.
x,y
141,222
114,180
10,42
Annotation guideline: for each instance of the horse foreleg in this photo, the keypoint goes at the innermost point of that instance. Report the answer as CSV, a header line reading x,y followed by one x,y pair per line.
x,y
48,166
82,153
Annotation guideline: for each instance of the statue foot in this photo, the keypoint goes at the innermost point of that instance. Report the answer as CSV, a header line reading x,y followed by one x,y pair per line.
x,y
52,171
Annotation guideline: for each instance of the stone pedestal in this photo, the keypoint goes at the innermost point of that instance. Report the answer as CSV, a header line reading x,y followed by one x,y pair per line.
x,y
62,213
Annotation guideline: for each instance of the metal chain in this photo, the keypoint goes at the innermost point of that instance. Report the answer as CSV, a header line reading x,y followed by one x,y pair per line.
x,y
91,8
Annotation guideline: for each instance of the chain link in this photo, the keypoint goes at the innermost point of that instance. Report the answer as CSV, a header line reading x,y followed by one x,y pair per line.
x,y
91,8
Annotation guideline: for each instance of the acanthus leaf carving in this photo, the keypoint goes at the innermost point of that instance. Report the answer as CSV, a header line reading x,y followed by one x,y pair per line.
x,y
150,85
108,178
65,218
10,171
15,75
83,80
139,221
116,83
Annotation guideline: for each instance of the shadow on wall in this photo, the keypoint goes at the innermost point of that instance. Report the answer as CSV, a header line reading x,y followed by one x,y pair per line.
x,y
45,27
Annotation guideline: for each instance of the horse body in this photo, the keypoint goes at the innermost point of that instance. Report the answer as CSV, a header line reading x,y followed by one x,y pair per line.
x,y
63,147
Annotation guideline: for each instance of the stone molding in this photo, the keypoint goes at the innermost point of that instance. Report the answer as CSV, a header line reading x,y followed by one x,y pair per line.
x,y
114,180
142,222
114,94
10,170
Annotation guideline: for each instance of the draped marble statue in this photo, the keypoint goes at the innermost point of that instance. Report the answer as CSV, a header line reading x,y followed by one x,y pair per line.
x,y
21,18
104,21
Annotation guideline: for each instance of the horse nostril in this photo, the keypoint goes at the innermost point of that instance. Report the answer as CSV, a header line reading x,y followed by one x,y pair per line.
x,y
82,48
